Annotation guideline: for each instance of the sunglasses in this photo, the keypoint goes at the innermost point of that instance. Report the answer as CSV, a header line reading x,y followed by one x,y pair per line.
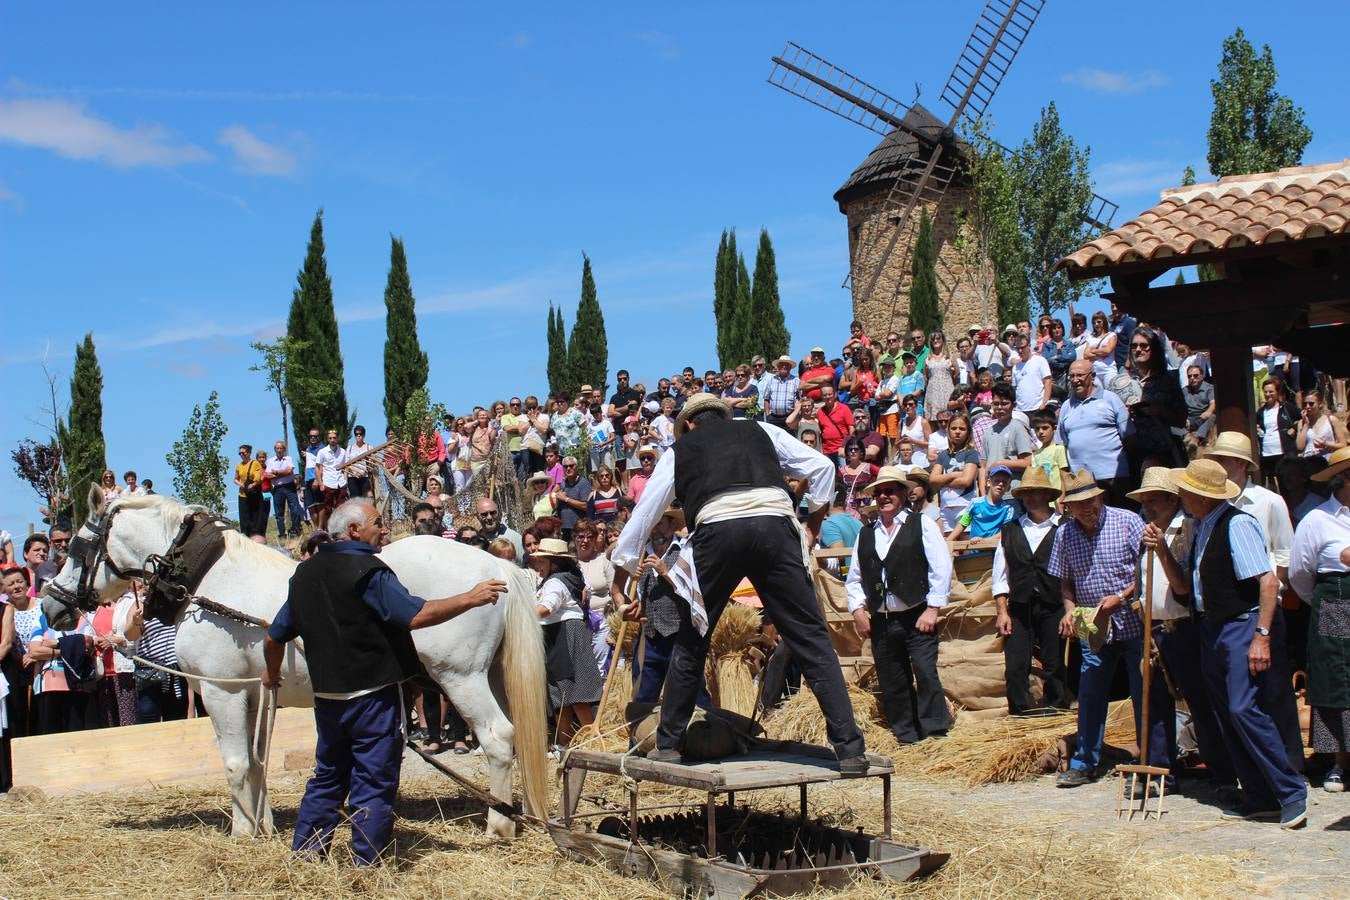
x,y
1140,347
888,490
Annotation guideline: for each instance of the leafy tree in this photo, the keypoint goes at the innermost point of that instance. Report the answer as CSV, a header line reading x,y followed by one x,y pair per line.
x,y
39,466
769,334
81,437
925,309
743,325
405,362
988,234
198,465
281,377
1054,195
724,297
587,348
1252,127
557,352
316,352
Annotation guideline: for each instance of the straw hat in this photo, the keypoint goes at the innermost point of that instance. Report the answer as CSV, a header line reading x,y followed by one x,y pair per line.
x,y
920,476
1034,479
1205,478
887,475
1339,462
1156,479
697,404
539,476
784,359
552,548
1231,443
648,451
674,512
1080,486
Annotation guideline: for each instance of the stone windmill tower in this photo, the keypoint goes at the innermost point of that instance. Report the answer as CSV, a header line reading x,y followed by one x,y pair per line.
x,y
919,162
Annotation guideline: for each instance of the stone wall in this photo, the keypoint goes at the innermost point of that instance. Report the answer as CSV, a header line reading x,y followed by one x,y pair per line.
x,y
869,230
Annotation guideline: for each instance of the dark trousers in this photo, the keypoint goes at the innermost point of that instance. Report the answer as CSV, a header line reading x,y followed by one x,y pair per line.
x,y
252,510
767,550
286,497
155,702
649,677
1253,740
906,660
1275,696
360,749
1179,649
1035,630
56,712
358,486
454,727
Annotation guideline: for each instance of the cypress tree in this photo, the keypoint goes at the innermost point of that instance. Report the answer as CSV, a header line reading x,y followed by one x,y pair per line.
x,y
722,300
318,361
81,437
557,352
743,324
405,362
587,348
925,311
770,337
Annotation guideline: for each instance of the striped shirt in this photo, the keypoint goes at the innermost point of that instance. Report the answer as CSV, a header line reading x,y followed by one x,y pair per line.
x,y
779,395
1246,545
157,643
1100,564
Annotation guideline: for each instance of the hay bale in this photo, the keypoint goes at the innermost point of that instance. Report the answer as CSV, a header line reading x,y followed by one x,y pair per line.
x,y
737,689
800,719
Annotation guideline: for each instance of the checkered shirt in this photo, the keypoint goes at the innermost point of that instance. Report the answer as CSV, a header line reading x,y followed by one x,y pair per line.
x,y
1101,564
779,395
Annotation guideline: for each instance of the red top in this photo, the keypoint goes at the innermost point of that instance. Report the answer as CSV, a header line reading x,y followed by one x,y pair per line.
x,y
103,626
835,427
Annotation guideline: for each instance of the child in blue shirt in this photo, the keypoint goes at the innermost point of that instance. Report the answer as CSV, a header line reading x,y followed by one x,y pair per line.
x,y
987,515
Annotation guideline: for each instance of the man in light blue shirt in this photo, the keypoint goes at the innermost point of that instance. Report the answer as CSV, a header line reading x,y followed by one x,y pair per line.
x,y
1092,425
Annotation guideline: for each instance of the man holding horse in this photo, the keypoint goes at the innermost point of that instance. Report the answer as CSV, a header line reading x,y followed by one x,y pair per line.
x,y
355,618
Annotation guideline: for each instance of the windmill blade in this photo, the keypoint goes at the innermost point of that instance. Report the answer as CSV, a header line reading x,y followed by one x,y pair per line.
x,y
1100,211
803,74
999,33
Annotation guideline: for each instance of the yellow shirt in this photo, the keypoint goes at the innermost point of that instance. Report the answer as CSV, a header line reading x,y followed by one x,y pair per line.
x,y
1051,458
250,471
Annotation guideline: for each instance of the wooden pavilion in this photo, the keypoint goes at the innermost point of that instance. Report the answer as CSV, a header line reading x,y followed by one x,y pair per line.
x,y
1280,244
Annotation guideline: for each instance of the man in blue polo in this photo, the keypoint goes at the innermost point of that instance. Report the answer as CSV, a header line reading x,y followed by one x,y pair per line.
x,y
356,620
1092,425
1232,590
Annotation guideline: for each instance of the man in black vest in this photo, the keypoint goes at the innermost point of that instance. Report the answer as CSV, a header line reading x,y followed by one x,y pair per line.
x,y
1232,588
1029,600
899,577
355,618
728,476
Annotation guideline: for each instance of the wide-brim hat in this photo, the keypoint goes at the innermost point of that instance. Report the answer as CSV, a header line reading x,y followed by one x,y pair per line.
x,y
1157,479
1009,329
1339,462
539,476
676,513
919,476
1205,478
887,475
648,451
974,327
697,404
1080,486
1231,443
1034,479
552,548
784,359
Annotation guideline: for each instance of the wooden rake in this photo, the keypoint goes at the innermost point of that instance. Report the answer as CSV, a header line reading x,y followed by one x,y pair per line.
x,y
1148,772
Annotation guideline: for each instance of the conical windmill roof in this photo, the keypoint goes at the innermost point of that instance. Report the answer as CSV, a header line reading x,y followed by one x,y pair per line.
x,y
897,154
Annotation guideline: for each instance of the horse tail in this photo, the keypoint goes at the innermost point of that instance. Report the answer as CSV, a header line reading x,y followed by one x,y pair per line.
x,y
526,687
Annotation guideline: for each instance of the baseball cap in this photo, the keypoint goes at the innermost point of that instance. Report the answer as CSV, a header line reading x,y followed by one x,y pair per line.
x,y
1003,470
820,350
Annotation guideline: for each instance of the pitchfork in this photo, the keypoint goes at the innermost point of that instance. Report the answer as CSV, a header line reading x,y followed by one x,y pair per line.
x,y
1143,768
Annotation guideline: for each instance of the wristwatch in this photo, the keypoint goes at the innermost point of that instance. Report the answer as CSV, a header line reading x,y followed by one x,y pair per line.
x,y
1264,632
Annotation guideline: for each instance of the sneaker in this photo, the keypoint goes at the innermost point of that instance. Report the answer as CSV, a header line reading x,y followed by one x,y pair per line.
x,y
1072,778
1295,814
854,767
1249,811
1334,782
657,754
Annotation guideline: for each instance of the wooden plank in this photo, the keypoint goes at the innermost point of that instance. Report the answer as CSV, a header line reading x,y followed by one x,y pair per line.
x,y
136,756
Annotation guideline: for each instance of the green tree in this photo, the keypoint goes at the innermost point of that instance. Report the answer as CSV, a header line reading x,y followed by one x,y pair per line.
x,y
724,296
198,465
557,352
925,309
405,362
742,325
81,436
587,347
770,336
317,354
1203,271
988,234
279,377
1252,127
1054,194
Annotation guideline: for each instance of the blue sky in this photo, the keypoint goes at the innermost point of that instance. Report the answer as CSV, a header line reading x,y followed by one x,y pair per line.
x,y
159,173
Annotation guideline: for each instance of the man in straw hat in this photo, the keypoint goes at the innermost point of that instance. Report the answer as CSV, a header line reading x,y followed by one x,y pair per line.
x,y
1178,642
1232,587
729,478
779,394
899,577
1028,598
1233,451
1095,556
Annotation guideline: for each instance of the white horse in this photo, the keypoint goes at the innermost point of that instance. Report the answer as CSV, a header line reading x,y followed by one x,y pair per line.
x,y
487,660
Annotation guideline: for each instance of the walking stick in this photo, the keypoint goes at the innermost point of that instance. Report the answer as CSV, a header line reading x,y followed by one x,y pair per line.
x,y
1146,664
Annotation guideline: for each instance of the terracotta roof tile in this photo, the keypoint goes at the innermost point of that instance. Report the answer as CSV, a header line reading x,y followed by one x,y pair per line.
x,y
1238,211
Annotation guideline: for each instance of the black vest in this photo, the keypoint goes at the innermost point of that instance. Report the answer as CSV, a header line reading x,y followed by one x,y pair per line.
x,y
906,565
1225,597
347,647
722,456
1029,578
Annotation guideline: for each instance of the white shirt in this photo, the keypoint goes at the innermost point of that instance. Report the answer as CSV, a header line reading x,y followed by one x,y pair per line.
x,y
1272,512
934,548
559,602
1035,533
1318,543
275,464
330,460
797,460
359,469
1029,382
891,384
1178,536
1270,441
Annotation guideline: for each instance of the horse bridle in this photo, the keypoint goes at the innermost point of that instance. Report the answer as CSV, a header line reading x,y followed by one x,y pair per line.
x,y
91,550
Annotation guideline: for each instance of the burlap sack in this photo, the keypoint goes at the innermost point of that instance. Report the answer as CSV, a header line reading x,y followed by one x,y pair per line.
x,y
712,733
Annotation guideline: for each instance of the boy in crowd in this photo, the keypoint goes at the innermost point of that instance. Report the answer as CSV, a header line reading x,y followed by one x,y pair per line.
x,y
987,515
1051,456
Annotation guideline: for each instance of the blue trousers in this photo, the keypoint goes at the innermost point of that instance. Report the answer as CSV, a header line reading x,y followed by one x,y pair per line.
x,y
1253,740
1094,685
1180,651
358,758
284,497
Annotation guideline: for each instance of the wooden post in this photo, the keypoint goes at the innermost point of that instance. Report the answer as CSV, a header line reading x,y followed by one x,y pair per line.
x,y
1231,366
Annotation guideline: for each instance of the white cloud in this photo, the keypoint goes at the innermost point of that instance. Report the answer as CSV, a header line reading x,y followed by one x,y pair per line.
x,y
253,154
1104,82
1134,176
67,129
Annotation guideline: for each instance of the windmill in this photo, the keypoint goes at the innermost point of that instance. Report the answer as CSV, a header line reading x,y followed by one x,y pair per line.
x,y
919,161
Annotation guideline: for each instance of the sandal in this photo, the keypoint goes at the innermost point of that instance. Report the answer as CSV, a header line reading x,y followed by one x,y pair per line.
x,y
461,748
